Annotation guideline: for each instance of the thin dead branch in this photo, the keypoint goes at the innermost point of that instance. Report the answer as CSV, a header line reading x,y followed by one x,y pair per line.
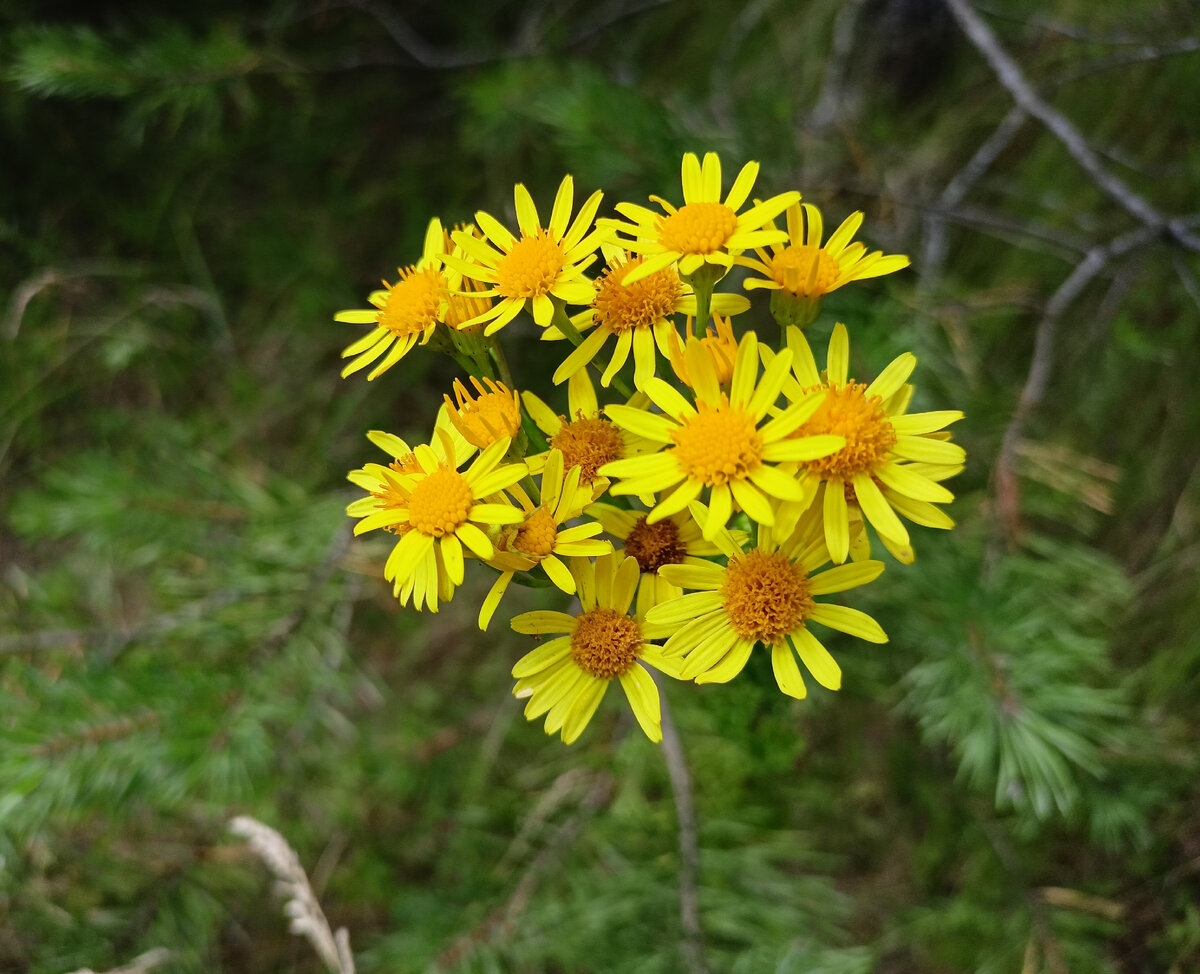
x,y
1040,368
689,848
1009,74
934,249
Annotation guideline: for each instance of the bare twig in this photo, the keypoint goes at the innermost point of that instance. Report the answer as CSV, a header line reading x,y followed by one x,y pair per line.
x,y
1040,368
831,100
689,848
306,917
30,288
500,922
934,249
139,965
1010,75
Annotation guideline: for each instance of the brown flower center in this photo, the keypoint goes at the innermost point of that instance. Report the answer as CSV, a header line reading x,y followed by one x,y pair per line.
x,y
588,444
765,595
606,643
655,545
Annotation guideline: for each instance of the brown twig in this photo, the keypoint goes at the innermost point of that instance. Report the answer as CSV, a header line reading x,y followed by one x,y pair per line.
x,y
1040,368
501,921
934,248
1009,74
831,101
689,848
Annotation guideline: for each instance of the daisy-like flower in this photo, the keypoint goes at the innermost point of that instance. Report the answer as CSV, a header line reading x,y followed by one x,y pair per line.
x,y
437,510
675,540
540,539
541,264
801,271
378,481
587,440
704,230
494,411
721,443
767,596
566,677
874,472
406,312
720,344
638,316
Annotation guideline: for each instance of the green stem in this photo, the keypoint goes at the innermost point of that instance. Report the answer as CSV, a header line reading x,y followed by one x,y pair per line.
x,y
498,356
563,323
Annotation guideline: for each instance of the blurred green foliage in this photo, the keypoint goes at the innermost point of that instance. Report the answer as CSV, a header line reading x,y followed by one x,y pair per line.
x,y
189,633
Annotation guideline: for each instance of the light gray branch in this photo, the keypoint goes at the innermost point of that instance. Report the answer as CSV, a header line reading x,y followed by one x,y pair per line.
x,y
1009,74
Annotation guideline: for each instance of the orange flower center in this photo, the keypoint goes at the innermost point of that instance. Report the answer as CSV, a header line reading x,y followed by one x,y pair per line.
x,y
484,418
718,444
697,228
721,347
846,411
638,305
531,268
766,596
805,271
605,643
537,535
655,545
440,503
412,303
588,444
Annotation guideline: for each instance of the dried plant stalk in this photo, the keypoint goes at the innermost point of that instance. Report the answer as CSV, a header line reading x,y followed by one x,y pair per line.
x,y
304,913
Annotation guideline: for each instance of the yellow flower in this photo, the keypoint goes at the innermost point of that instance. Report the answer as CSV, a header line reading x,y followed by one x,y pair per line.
x,y
721,346
436,510
704,230
675,540
494,411
639,316
543,263
588,441
540,539
566,678
721,443
802,270
881,470
765,595
405,312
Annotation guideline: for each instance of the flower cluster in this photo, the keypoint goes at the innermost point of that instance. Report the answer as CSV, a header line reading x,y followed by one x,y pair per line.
x,y
711,507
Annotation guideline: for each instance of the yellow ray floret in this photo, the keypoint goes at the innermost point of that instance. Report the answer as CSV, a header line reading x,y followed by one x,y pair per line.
x,y
765,596
587,440
566,677
705,229
674,540
405,313
529,270
638,316
880,473
801,270
436,510
492,412
542,539
722,443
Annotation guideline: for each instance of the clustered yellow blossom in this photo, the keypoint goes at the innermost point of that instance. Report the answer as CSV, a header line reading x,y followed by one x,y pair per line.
x,y
701,515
